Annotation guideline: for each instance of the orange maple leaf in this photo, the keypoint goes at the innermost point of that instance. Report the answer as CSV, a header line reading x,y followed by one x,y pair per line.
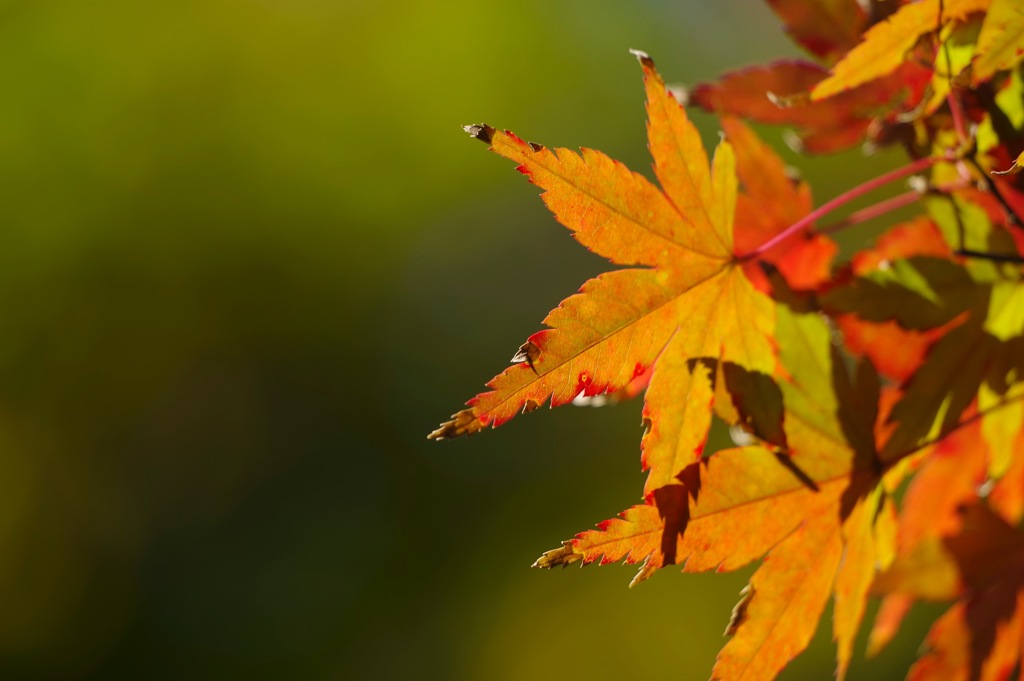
x,y
689,320
692,296
951,474
771,199
811,507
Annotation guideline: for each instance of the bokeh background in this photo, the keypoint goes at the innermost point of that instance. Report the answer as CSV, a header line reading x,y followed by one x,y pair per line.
x,y
248,260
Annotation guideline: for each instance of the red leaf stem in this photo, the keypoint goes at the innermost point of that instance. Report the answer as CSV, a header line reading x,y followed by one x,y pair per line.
x,y
841,200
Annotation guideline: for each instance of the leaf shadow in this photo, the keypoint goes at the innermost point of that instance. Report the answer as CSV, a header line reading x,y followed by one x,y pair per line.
x,y
755,400
760,407
673,503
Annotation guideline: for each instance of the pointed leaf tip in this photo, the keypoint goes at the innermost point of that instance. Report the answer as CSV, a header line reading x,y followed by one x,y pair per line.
x,y
480,131
739,613
643,58
564,555
464,422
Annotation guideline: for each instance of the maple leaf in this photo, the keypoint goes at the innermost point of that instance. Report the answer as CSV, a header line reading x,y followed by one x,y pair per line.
x,y
982,564
826,28
777,94
981,354
770,200
1001,42
886,44
896,352
923,391
811,508
949,475
691,299
764,94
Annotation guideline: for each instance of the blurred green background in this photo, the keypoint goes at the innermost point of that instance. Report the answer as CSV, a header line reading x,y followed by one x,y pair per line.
x,y
248,261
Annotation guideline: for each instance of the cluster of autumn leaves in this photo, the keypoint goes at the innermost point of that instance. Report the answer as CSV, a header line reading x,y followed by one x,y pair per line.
x,y
882,397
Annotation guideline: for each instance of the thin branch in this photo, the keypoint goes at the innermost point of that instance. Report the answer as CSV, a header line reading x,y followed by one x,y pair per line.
x,y
871,212
844,198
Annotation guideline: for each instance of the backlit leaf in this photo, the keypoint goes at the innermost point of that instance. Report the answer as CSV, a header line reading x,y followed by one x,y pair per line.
x,y
694,300
770,199
887,43
1001,43
876,403
806,507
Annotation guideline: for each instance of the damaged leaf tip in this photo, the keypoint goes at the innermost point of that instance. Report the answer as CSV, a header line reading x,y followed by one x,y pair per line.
x,y
563,555
464,422
480,131
643,58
